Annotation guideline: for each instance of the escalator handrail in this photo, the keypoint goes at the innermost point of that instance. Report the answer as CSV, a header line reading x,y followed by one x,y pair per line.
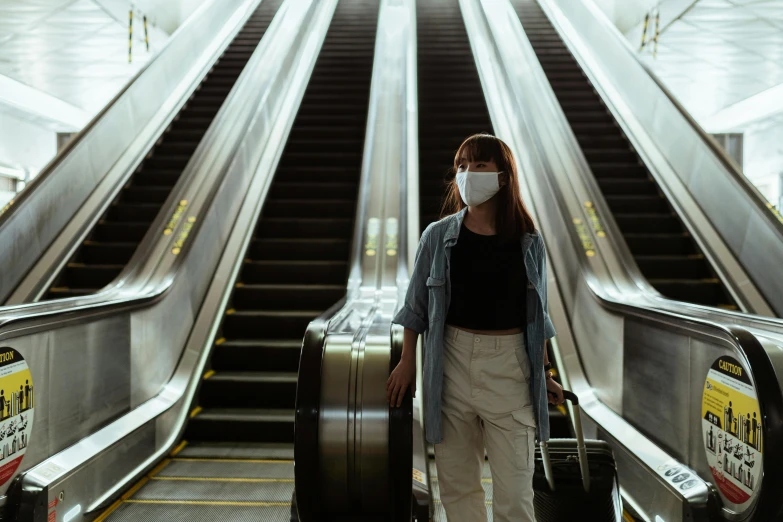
x,y
368,287
224,20
630,63
267,142
680,315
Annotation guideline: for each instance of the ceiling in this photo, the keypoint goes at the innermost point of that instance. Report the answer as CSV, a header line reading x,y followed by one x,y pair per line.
x,y
713,54
75,51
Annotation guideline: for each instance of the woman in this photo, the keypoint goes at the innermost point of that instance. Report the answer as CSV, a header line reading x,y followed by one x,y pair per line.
x,y
478,294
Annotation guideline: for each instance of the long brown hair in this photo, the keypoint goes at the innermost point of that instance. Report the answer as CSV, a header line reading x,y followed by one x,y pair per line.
x,y
512,219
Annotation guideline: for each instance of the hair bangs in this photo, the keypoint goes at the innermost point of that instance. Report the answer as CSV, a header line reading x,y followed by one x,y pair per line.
x,y
479,147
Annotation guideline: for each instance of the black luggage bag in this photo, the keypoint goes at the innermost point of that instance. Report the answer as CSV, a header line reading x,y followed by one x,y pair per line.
x,y
576,479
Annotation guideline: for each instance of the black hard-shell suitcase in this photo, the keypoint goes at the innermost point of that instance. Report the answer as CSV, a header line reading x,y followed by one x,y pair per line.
x,y
576,479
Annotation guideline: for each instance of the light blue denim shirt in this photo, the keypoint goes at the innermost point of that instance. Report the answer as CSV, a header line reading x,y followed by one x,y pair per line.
x,y
426,308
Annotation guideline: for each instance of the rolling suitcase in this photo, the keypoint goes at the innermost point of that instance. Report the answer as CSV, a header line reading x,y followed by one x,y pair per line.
x,y
576,479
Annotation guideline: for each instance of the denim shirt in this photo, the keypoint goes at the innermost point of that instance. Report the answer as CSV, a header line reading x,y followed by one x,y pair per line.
x,y
426,307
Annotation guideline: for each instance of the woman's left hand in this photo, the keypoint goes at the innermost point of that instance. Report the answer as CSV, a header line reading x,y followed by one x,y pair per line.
x,y
554,391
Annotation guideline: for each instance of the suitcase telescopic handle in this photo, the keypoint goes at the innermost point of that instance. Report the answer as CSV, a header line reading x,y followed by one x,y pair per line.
x,y
580,447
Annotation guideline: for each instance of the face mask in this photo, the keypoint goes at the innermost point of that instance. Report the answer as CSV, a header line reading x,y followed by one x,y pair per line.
x,y
478,187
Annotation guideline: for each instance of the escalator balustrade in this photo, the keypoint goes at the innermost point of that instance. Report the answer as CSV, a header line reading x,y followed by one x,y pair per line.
x,y
665,252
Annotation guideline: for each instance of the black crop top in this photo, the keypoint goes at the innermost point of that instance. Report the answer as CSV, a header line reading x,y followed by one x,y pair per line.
x,y
488,283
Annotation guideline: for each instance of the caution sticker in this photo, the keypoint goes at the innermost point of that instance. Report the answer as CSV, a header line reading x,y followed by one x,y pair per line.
x,y
732,430
17,407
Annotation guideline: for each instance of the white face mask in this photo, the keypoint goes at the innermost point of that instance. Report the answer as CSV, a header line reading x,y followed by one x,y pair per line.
x,y
478,187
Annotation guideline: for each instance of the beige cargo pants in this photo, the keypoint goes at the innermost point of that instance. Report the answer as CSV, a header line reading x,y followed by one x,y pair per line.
x,y
486,404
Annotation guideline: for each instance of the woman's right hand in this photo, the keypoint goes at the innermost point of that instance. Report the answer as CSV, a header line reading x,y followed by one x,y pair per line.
x,y
401,378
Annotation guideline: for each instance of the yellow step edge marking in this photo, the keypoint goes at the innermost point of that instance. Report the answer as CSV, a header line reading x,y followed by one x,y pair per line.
x,y
179,448
132,491
251,461
227,479
627,517
59,289
195,411
157,469
209,374
111,509
210,503
220,341
230,311
76,265
239,285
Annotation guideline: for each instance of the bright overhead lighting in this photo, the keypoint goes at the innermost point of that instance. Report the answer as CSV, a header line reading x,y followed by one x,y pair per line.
x,y
745,112
42,105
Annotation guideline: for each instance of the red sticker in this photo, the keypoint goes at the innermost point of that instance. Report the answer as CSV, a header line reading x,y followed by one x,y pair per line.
x,y
53,503
52,516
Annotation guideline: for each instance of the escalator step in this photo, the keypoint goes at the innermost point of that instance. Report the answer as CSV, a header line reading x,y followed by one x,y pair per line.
x,y
259,390
168,161
661,267
305,227
300,249
267,324
661,244
648,223
232,450
145,194
329,190
645,204
82,276
119,232
204,492
706,292
627,187
137,213
294,272
242,426
156,178
95,253
619,170
286,297
618,155
298,208
257,355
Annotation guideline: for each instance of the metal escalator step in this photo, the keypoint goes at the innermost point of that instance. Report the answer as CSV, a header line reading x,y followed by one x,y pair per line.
x,y
137,213
286,297
267,324
257,355
233,450
621,155
122,232
661,244
601,141
325,145
176,147
618,170
300,249
304,227
645,204
233,468
94,253
649,223
593,116
629,187
243,425
157,178
82,276
659,267
273,491
145,194
194,512
312,190
167,161
301,272
317,173
706,292
300,208
259,390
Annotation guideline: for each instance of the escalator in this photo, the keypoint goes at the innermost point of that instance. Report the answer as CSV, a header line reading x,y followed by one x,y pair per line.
x,y
237,461
106,250
663,249
451,108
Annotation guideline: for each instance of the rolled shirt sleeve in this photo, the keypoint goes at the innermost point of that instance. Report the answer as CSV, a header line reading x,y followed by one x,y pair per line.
x,y
413,313
549,328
